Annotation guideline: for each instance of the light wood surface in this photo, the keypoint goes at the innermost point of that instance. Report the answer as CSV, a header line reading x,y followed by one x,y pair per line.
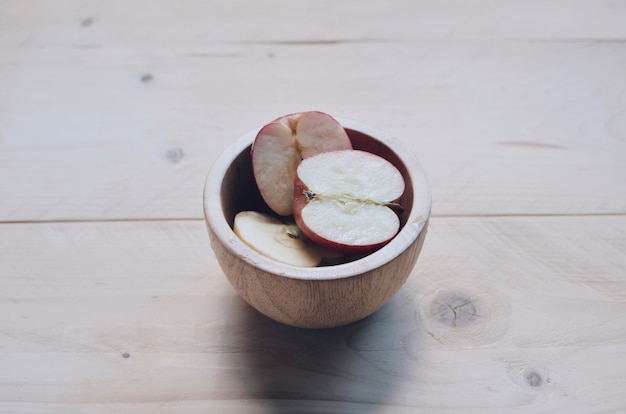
x,y
111,113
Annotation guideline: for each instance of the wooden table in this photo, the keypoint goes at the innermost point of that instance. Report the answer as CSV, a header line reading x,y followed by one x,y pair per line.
x,y
111,114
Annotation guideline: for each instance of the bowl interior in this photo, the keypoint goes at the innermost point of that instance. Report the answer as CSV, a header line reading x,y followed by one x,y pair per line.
x,y
230,188
239,191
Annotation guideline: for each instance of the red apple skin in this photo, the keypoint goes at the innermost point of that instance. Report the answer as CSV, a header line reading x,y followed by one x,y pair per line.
x,y
299,202
279,181
291,144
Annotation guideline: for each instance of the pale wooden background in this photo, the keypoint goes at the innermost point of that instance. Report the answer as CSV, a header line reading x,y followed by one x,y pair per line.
x,y
112,112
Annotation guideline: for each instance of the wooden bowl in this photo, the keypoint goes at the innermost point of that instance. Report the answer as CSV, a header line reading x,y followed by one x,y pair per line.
x,y
319,297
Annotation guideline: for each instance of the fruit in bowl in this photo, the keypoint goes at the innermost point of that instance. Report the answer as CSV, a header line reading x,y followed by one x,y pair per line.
x,y
344,200
280,146
349,240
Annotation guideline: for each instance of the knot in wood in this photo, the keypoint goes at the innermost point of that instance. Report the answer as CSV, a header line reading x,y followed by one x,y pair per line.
x,y
533,379
454,308
146,77
174,155
88,21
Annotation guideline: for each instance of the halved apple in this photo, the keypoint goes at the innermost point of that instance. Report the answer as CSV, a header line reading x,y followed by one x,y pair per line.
x,y
275,239
280,146
346,200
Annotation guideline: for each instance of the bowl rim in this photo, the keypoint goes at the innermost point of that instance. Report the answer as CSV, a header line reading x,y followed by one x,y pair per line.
x,y
408,234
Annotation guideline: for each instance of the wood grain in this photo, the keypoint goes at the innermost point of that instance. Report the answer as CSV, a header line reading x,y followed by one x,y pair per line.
x,y
539,327
168,22
111,113
128,128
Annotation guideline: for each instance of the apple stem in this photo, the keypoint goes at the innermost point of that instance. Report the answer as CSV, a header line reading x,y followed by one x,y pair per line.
x,y
310,195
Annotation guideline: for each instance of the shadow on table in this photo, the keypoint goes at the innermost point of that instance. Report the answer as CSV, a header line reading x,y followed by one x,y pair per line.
x,y
356,368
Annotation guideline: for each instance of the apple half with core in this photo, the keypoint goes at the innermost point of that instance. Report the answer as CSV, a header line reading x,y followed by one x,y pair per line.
x,y
280,146
272,238
346,200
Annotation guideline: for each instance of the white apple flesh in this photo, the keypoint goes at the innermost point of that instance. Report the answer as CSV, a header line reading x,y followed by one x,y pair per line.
x,y
280,146
343,198
275,239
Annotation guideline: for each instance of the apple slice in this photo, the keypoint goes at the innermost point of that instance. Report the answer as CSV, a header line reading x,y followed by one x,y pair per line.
x,y
345,200
275,239
280,146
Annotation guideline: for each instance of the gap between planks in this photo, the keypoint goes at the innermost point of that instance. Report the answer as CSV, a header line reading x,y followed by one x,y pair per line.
x,y
192,219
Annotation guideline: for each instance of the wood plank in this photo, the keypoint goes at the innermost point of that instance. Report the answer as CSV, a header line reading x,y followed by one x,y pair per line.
x,y
499,315
111,132
172,22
